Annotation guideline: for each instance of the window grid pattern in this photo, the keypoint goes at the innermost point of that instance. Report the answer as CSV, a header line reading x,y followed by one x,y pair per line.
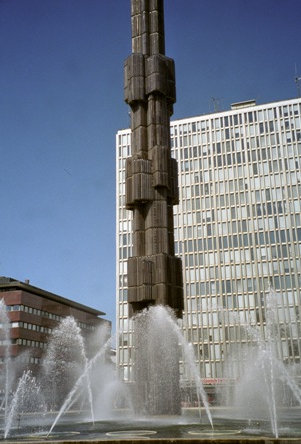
x,y
46,314
237,229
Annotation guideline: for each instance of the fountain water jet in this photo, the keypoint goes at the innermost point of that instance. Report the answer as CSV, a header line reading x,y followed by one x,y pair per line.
x,y
163,330
64,360
5,337
160,339
72,396
261,375
26,398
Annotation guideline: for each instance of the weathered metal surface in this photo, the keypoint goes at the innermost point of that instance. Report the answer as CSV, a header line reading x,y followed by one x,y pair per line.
x,y
154,273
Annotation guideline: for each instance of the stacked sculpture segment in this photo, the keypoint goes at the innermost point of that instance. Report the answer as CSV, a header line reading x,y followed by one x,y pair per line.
x,y
154,272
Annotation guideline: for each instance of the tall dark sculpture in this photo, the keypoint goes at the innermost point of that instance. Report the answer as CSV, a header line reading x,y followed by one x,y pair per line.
x,y
154,272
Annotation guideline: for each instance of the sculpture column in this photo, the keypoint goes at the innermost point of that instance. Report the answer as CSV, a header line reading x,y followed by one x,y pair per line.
x,y
154,272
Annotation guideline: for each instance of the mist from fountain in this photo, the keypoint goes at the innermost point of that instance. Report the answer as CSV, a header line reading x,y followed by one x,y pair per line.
x,y
74,393
261,377
94,386
27,398
159,338
65,360
159,328
5,337
65,377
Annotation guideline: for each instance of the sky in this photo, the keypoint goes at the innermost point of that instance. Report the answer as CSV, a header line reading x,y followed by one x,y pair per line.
x,y
61,104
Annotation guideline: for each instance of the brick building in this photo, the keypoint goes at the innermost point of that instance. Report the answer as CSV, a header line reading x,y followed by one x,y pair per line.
x,y
34,313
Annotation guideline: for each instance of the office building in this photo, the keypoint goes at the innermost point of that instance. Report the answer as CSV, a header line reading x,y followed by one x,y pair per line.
x,y
237,230
34,313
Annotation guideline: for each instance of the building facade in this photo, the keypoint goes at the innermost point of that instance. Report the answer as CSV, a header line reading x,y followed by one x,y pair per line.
x,y
34,313
237,230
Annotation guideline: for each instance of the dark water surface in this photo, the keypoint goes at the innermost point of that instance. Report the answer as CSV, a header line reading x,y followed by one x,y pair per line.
x,y
190,427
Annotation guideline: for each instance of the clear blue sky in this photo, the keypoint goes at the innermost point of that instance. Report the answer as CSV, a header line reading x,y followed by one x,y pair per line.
x,y
61,103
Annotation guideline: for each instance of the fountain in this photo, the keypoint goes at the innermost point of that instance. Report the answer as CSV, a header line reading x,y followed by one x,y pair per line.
x,y
80,396
65,380
69,380
26,399
150,327
66,357
97,405
264,388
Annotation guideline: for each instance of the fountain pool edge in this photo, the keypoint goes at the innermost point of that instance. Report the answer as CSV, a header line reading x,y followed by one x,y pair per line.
x,y
220,440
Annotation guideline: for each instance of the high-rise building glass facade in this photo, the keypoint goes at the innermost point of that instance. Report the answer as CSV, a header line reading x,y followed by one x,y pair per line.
x,y
237,229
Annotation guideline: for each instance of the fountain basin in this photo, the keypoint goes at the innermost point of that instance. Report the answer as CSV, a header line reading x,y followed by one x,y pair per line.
x,y
184,429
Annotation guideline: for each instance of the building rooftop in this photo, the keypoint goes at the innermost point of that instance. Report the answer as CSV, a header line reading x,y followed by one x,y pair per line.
x,y
244,104
8,283
234,107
